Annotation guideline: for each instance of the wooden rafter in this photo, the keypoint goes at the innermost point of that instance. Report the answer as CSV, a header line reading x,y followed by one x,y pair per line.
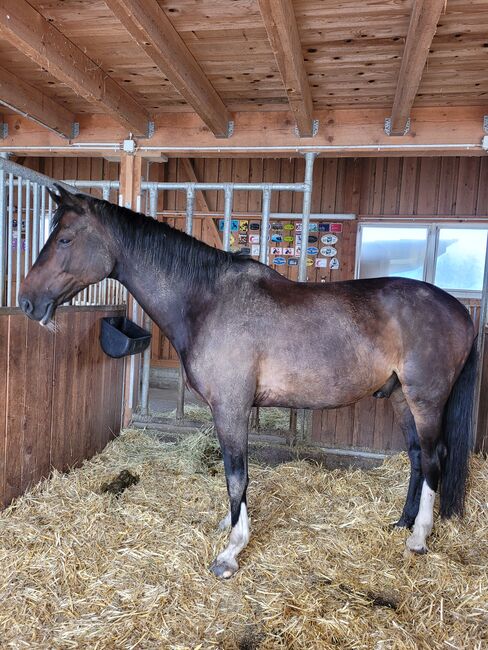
x,y
153,31
423,25
31,103
34,36
281,26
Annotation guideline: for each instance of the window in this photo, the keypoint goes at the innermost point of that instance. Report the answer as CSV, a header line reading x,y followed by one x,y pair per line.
x,y
450,256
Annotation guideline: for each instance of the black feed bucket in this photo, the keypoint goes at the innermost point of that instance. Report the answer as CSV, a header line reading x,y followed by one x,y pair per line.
x,y
120,337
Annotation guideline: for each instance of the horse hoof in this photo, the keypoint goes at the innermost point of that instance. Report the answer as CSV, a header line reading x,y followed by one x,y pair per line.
x,y
416,546
402,523
223,568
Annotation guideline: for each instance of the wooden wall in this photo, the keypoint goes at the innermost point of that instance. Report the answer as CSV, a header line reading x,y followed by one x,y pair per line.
x,y
60,395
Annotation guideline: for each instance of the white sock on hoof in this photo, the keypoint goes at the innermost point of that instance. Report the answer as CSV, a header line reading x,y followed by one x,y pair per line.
x,y
239,537
423,521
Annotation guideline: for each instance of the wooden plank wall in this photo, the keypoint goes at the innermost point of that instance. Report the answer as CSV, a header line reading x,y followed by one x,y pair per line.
x,y
60,395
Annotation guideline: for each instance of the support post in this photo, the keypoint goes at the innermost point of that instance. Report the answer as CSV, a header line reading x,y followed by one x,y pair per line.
x,y
130,197
480,442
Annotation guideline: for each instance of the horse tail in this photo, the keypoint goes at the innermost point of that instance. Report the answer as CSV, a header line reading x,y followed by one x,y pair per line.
x,y
458,438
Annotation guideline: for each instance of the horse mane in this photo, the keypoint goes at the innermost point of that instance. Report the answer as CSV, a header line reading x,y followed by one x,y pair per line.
x,y
169,249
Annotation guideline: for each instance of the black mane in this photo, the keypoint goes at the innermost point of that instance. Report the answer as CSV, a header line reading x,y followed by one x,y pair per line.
x,y
160,245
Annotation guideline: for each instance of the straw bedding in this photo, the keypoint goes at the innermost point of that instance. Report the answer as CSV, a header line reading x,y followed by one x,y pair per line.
x,y
84,569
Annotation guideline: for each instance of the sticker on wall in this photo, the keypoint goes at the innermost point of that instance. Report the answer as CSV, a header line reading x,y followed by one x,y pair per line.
x,y
298,239
276,250
298,250
313,227
298,227
328,251
329,239
276,238
234,225
288,251
310,261
276,225
254,239
334,264
312,239
255,250
243,226
289,226
321,263
336,227
245,250
324,227
254,225
312,250
288,238
242,238
293,261
232,240
279,261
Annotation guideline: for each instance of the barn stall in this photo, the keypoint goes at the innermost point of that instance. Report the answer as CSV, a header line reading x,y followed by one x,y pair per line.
x,y
358,125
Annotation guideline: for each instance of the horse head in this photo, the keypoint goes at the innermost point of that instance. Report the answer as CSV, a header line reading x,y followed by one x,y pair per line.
x,y
78,253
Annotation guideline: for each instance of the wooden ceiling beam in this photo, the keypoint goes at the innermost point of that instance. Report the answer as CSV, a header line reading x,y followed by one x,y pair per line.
x,y
422,28
28,31
281,26
33,104
153,31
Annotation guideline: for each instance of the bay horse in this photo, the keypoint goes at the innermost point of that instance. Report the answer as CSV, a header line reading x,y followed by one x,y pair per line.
x,y
301,345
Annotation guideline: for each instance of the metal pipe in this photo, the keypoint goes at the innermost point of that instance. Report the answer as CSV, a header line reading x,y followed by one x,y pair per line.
x,y
27,226
227,217
35,222
263,245
10,237
480,349
244,187
3,243
18,270
307,202
29,174
106,193
42,220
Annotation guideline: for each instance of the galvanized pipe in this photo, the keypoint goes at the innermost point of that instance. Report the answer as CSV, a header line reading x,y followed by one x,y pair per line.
x,y
481,344
18,271
263,245
27,226
244,187
307,202
228,194
10,237
3,229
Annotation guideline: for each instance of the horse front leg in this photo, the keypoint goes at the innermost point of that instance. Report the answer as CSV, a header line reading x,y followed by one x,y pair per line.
x,y
232,434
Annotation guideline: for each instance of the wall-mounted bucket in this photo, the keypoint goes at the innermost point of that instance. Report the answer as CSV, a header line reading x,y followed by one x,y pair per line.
x,y
120,337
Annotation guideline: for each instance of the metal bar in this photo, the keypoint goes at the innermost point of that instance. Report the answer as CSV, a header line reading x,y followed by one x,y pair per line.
x,y
307,201
42,218
31,175
47,226
227,216
35,222
27,226
263,245
480,349
244,187
106,192
18,268
3,229
153,202
190,204
10,237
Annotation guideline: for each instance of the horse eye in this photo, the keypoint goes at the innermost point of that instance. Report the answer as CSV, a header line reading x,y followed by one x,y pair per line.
x,y
64,242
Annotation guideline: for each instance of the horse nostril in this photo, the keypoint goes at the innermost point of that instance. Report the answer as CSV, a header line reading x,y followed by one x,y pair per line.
x,y
26,305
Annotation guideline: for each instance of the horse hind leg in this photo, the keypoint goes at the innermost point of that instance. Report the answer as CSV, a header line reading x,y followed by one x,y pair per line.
x,y
407,424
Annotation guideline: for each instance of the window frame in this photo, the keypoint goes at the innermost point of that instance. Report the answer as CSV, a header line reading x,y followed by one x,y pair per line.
x,y
432,245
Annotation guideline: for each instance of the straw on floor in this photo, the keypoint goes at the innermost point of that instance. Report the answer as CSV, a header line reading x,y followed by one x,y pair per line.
x,y
324,569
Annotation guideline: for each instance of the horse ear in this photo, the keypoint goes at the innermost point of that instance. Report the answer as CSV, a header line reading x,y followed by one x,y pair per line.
x,y
55,197
64,196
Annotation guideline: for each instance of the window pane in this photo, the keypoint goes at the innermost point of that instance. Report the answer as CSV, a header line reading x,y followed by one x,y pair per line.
x,y
461,258
388,251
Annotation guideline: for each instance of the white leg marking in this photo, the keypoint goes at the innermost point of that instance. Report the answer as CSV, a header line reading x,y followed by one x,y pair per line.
x,y
225,522
423,521
225,565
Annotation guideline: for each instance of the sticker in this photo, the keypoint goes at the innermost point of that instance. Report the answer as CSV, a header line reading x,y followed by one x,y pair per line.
x,y
276,238
276,225
312,250
334,264
298,250
279,261
254,239
313,227
242,238
255,250
243,226
288,251
324,227
299,239
234,225
288,238
312,239
245,250
310,261
293,261
254,225
276,250
321,263
298,227
336,227
328,251
329,239
232,240
289,226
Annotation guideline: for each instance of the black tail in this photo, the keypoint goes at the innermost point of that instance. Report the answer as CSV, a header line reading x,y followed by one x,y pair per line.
x,y
458,438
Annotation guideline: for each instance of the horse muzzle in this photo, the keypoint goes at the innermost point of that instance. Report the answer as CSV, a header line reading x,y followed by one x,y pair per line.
x,y
41,310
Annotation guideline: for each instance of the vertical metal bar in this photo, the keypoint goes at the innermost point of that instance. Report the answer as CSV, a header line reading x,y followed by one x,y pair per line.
x,y
106,193
190,204
153,202
47,225
27,226
35,223
481,349
3,231
263,246
42,218
307,202
228,191
18,267
10,237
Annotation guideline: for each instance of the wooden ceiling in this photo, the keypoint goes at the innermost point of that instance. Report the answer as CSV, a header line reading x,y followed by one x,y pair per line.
x,y
215,57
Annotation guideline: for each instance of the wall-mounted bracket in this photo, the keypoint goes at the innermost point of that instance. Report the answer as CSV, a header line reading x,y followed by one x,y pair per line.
x,y
315,130
388,127
485,124
75,130
150,129
230,130
3,130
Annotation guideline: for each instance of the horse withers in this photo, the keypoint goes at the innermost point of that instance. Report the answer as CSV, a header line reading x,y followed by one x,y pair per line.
x,y
306,345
